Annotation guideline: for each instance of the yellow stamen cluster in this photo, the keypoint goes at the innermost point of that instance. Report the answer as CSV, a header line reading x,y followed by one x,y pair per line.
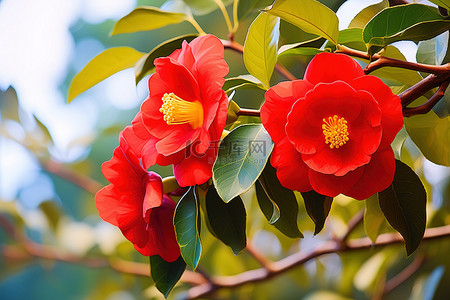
x,y
178,111
335,131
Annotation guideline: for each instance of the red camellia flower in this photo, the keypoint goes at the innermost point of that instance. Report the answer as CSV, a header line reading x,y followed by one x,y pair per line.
x,y
333,129
182,120
134,202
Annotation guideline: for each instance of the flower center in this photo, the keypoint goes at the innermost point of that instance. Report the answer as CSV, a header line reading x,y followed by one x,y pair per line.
x,y
178,111
335,131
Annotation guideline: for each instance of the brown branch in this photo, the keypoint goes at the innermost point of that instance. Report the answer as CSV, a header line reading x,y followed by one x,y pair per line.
x,y
258,256
352,225
300,258
406,273
235,46
426,107
248,112
28,250
83,181
397,2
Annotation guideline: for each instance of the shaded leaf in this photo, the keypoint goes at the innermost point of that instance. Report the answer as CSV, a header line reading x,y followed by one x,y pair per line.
x,y
186,220
247,7
311,16
101,67
243,153
300,51
404,205
374,220
351,37
317,206
146,18
242,82
431,135
166,274
413,22
233,110
145,64
442,3
365,15
314,43
277,203
261,45
227,220
9,105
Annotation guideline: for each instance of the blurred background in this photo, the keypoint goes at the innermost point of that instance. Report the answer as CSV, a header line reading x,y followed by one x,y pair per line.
x,y
51,152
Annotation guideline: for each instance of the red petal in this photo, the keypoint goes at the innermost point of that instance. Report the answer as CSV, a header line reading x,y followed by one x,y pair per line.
x,y
377,175
330,67
291,170
153,193
331,185
161,233
391,108
279,101
196,168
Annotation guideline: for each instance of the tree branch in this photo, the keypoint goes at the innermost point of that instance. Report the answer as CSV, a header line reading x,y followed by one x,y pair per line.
x,y
301,258
235,46
248,112
406,273
426,107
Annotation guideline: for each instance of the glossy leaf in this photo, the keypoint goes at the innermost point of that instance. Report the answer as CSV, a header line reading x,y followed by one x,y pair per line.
x,y
404,205
365,15
186,220
101,67
442,3
431,134
300,51
242,82
247,7
277,203
227,220
350,37
243,153
314,43
145,64
374,220
414,22
311,16
202,7
317,206
166,274
146,18
261,45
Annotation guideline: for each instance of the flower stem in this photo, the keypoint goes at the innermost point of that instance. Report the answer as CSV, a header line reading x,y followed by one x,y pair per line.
x,y
196,25
225,15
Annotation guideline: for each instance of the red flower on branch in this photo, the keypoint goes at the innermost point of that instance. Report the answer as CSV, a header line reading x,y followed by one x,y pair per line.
x,y
333,129
183,118
134,201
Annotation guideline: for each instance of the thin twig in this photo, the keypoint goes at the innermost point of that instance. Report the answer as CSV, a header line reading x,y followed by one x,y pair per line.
x,y
235,46
352,225
248,112
258,256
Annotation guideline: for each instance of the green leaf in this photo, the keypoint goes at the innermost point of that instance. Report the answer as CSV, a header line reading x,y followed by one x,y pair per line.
x,y
166,274
145,64
243,153
300,51
261,45
317,206
314,43
365,15
350,37
404,205
203,7
374,220
242,82
277,203
232,113
146,18
442,3
431,135
247,7
101,67
311,16
414,22
186,221
9,105
227,220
